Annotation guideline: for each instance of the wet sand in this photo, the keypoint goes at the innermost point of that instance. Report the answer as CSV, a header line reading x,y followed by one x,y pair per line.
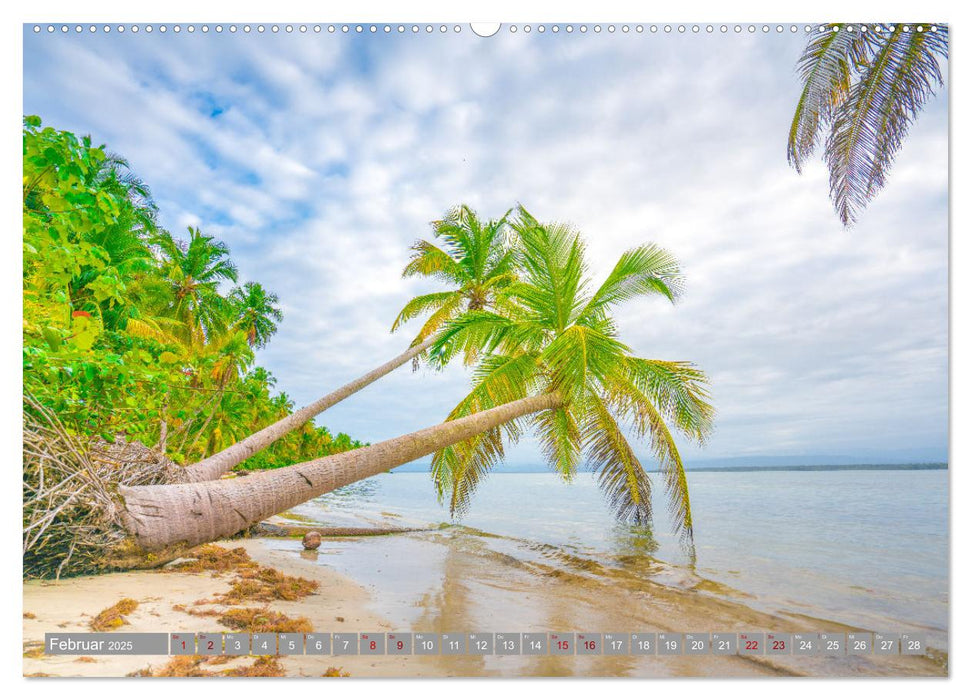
x,y
452,581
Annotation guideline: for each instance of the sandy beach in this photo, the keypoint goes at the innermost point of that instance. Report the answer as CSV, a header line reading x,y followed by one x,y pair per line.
x,y
462,586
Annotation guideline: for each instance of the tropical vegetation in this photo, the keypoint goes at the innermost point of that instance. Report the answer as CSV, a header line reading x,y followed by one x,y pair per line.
x,y
130,330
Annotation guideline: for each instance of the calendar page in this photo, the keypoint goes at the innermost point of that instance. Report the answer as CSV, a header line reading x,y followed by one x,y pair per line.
x,y
527,349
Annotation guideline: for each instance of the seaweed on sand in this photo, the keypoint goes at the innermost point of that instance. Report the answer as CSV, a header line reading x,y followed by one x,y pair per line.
x,y
263,620
113,617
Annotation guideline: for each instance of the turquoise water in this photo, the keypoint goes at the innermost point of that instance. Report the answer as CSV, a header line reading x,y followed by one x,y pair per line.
x,y
866,548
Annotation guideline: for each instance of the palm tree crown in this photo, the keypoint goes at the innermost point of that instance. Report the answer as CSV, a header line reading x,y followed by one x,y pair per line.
x,y
257,312
195,270
866,85
475,259
555,336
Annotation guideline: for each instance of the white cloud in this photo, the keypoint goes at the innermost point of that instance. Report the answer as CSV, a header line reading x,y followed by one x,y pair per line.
x,y
332,153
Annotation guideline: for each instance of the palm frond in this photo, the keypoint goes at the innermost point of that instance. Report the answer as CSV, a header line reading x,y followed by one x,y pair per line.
x,y
619,473
579,353
679,390
150,330
420,305
559,438
428,260
450,309
552,260
458,229
825,69
872,122
483,329
640,271
460,468
648,422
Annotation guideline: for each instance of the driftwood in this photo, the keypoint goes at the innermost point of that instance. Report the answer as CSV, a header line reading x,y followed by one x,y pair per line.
x,y
267,529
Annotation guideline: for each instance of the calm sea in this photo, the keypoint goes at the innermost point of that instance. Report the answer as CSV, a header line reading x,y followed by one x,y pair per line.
x,y
867,548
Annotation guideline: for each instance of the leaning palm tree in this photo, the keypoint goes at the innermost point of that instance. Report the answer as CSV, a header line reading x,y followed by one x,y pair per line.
x,y
865,85
557,337
474,261
557,359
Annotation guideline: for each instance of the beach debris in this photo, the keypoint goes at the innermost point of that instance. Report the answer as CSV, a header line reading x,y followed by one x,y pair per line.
x,y
113,617
34,650
335,672
212,557
263,620
311,540
75,522
192,667
251,619
178,667
263,667
266,584
219,660
252,583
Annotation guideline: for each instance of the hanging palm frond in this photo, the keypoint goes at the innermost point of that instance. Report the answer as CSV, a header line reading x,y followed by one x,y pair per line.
x,y
866,86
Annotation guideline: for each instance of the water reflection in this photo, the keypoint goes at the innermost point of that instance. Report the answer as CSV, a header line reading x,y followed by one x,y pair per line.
x,y
806,542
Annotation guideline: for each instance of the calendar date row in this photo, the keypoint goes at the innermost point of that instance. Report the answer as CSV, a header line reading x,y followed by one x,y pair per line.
x,y
550,643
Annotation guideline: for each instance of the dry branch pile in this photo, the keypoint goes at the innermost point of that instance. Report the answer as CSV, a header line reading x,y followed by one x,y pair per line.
x,y
72,520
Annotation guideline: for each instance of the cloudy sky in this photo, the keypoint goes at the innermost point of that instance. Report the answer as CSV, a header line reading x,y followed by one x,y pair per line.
x,y
319,158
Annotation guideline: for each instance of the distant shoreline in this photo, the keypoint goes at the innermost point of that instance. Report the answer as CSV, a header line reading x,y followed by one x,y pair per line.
x,y
930,466
923,466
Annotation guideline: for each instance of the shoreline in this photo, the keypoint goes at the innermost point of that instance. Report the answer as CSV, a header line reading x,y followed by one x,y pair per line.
x,y
437,582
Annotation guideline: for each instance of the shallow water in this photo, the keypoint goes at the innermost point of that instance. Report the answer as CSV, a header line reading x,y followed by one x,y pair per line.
x,y
867,549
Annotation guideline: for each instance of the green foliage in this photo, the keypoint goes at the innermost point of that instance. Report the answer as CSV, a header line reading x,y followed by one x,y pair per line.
x,y
475,259
125,327
866,88
551,332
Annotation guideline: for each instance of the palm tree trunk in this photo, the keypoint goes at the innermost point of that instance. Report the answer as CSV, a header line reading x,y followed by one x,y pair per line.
x,y
163,431
193,513
216,465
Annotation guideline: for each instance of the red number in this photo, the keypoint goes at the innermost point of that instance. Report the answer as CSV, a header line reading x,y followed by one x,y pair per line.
x,y
751,644
778,645
401,645
211,645
564,645
590,645
374,645
183,644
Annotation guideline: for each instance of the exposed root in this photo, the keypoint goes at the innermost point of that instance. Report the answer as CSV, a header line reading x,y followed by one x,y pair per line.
x,y
72,522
